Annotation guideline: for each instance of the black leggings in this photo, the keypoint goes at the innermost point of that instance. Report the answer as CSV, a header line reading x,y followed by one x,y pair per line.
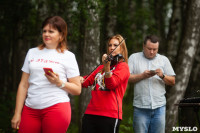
x,y
99,124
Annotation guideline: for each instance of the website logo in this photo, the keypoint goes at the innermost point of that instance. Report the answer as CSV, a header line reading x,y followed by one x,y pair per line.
x,y
191,129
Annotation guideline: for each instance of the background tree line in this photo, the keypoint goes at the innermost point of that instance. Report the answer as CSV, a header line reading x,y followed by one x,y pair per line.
x,y
90,23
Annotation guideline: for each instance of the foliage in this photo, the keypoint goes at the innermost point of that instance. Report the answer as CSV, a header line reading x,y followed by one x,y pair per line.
x,y
73,128
22,23
20,30
126,125
6,113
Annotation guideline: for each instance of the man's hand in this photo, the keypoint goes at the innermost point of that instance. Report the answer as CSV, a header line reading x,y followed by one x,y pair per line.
x,y
159,72
148,74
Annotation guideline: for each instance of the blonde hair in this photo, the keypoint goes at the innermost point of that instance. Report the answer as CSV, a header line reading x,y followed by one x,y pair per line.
x,y
124,50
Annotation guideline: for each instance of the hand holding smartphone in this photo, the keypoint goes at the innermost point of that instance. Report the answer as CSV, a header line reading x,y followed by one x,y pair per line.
x,y
153,71
47,70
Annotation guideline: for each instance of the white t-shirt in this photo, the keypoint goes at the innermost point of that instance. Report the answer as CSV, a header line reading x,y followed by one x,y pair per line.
x,y
42,93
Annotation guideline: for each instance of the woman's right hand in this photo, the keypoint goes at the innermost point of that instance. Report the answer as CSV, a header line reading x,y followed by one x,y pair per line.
x,y
16,121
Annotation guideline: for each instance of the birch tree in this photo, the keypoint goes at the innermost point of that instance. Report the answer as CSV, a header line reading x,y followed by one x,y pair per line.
x,y
91,46
174,34
187,115
184,61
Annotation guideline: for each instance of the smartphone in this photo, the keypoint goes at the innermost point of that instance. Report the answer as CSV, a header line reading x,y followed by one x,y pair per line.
x,y
46,70
152,71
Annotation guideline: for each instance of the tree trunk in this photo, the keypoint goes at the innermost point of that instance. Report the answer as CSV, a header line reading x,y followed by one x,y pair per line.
x,y
112,18
173,37
90,50
109,22
188,117
184,63
160,22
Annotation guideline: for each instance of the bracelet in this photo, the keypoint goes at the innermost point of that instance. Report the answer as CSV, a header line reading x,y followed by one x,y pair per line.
x,y
62,85
108,73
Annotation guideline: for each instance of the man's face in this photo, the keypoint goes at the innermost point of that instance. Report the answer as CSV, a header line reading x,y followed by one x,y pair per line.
x,y
150,49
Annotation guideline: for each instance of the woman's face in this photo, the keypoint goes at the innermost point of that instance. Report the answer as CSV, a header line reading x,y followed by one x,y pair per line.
x,y
51,37
112,45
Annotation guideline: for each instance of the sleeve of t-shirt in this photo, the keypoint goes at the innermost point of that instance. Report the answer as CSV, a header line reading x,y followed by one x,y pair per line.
x,y
25,67
168,70
72,69
130,63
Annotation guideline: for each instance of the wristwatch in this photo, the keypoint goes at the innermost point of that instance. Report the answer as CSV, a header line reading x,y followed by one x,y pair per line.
x,y
163,76
108,73
62,85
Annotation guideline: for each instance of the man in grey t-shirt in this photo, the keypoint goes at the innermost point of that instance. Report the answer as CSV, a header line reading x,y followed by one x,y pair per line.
x,y
150,72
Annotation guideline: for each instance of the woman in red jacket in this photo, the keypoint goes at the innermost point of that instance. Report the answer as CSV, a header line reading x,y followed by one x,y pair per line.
x,y
109,80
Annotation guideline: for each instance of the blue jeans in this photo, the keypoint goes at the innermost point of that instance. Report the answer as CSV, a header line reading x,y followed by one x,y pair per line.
x,y
149,120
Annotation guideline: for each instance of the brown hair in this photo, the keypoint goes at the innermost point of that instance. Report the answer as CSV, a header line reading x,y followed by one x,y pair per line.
x,y
59,24
124,51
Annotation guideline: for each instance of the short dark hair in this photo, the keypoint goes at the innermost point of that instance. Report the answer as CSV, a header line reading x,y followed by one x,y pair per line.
x,y
152,38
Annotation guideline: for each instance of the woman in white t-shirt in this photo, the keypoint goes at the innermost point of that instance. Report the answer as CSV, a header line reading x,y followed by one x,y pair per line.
x,y
42,103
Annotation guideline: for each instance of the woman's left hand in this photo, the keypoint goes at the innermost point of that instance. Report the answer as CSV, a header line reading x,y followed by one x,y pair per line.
x,y
54,78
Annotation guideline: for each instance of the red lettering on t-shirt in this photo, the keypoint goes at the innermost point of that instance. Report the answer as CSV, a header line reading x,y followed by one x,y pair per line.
x,y
44,61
